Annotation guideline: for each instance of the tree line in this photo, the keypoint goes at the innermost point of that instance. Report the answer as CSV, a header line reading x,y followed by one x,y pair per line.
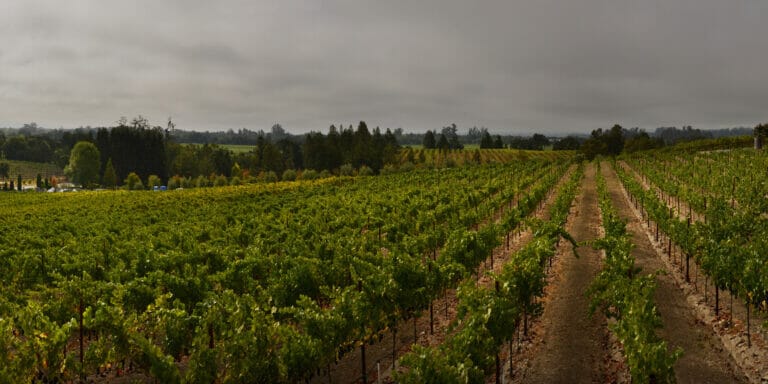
x,y
138,147
137,154
613,141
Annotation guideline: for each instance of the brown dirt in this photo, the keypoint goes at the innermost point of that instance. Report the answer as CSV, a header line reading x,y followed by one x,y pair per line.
x,y
704,359
569,345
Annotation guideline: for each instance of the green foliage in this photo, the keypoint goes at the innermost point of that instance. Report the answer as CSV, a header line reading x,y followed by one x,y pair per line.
x,y
187,182
5,170
346,170
133,182
605,143
567,143
289,175
309,174
84,164
388,170
429,140
109,179
365,171
623,294
536,142
154,181
437,366
261,283
236,171
201,182
174,182
642,142
487,318
220,181
269,177
725,189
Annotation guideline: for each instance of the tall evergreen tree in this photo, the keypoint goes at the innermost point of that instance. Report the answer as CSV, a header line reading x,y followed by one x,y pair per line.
x,y
429,141
442,142
497,143
486,141
109,179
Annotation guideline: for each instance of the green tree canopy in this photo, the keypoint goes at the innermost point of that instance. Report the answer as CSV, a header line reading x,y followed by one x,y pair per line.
x,y
84,163
567,143
133,182
606,143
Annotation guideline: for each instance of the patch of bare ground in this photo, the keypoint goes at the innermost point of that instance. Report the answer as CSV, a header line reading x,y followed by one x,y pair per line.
x,y
566,344
730,325
705,358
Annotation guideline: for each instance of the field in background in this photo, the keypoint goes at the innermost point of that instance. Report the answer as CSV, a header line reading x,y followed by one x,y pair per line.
x,y
238,148
29,170
235,148
432,157
471,154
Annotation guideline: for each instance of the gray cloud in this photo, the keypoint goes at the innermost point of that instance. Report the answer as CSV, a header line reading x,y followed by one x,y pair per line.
x,y
513,66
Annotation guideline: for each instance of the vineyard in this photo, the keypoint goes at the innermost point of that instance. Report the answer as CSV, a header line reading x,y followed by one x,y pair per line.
x,y
29,170
313,280
713,206
245,284
439,157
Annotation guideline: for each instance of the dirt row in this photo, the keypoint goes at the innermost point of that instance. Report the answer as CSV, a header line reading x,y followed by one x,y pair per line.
x,y
568,345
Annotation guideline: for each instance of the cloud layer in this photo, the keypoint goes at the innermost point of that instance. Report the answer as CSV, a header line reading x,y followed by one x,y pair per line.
x,y
512,66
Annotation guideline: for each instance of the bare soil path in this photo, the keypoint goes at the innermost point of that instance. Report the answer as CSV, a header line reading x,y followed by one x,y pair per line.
x,y
573,346
704,359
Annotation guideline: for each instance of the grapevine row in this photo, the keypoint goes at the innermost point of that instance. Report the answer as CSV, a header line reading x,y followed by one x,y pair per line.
x,y
272,282
728,245
626,296
488,317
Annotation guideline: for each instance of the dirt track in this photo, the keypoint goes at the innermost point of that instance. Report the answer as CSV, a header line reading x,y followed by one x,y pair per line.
x,y
573,345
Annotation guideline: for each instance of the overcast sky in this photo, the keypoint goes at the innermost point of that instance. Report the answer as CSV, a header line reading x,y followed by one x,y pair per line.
x,y
513,66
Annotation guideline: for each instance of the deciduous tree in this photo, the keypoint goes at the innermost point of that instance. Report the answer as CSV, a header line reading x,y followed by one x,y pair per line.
x,y
84,163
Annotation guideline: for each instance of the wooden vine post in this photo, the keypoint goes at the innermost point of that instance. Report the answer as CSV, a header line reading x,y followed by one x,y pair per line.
x,y
498,360
362,342
431,309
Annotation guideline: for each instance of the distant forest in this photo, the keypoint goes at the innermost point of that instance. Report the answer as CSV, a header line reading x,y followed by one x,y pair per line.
x,y
165,152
